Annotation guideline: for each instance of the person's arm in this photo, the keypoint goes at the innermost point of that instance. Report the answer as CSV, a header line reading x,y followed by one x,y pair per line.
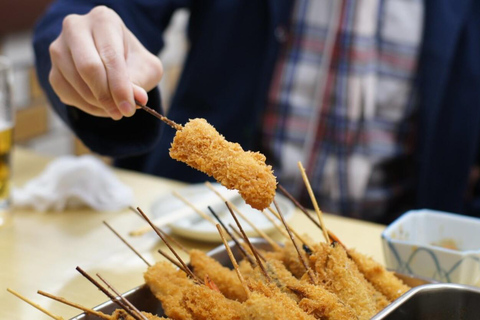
x,y
102,61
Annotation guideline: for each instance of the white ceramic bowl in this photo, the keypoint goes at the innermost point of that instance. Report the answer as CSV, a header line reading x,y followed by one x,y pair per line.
x,y
417,243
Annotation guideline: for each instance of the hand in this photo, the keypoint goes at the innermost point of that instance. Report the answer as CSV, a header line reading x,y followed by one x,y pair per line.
x,y
100,67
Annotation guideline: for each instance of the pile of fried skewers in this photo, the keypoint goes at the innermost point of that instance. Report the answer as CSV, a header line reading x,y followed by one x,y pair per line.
x,y
302,279
296,281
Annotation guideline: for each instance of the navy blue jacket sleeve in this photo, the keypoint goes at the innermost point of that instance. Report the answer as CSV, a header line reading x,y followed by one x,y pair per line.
x,y
130,136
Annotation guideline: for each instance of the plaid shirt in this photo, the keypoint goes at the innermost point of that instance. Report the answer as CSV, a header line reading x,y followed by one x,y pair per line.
x,y
341,101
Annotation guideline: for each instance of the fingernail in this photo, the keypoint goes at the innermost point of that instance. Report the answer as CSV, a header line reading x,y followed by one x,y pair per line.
x,y
126,108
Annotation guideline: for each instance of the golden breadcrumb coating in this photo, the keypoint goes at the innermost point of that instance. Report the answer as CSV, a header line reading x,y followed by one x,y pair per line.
x,y
121,314
321,303
291,260
383,280
313,299
276,255
168,285
200,146
340,276
267,302
183,299
341,290
380,300
226,279
206,304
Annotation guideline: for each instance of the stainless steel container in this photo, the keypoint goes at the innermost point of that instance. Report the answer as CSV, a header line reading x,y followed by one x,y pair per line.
x,y
426,301
441,301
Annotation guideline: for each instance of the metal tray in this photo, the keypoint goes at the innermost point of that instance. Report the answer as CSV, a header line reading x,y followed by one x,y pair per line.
x,y
425,301
441,301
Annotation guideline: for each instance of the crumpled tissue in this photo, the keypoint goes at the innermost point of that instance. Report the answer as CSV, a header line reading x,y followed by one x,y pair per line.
x,y
73,182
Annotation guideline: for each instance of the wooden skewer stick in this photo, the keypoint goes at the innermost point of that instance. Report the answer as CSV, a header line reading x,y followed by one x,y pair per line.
x,y
274,245
128,244
241,237
33,304
298,205
302,259
154,113
234,261
237,243
166,235
255,254
314,202
120,303
275,224
176,263
295,233
188,203
75,305
189,272
172,240
309,216
128,303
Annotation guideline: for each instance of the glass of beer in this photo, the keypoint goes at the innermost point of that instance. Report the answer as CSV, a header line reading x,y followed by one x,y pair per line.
x,y
6,137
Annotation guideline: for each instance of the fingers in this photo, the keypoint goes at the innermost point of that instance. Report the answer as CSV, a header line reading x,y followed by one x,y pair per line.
x,y
99,64
112,53
66,66
87,61
71,97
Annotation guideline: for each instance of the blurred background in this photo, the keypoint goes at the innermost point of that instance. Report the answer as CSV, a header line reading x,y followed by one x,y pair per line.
x,y
37,126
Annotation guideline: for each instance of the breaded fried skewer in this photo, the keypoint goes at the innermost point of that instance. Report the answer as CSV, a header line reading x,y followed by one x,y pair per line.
x,y
326,305
225,278
384,286
384,281
120,314
313,299
264,302
200,146
183,299
340,276
267,302
289,257
168,285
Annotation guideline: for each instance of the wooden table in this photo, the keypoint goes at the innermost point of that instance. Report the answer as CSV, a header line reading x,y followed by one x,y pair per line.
x,y
39,251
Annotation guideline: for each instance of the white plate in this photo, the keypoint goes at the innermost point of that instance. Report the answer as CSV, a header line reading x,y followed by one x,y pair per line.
x,y
195,227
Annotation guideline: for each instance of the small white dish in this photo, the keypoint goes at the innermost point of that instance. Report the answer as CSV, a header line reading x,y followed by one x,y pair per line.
x,y
193,226
438,245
